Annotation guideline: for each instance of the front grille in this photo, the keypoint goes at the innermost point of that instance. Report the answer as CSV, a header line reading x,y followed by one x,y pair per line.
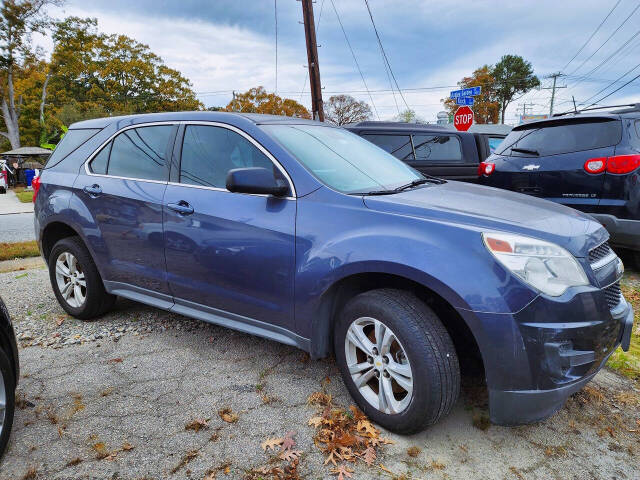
x,y
599,252
613,295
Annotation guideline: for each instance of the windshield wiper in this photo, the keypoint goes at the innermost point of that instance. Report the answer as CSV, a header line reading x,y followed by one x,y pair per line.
x,y
526,150
415,183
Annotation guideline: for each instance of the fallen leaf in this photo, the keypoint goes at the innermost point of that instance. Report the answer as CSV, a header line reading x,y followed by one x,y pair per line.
x,y
115,360
126,446
316,421
342,471
290,455
227,415
271,443
197,425
289,442
369,455
60,320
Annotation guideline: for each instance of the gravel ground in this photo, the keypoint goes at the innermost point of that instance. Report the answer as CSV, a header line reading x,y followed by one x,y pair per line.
x,y
17,227
111,399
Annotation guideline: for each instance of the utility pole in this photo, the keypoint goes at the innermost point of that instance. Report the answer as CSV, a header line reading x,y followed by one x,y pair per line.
x,y
553,89
312,55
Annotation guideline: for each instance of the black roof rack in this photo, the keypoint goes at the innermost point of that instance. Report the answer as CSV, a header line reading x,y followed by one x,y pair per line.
x,y
634,107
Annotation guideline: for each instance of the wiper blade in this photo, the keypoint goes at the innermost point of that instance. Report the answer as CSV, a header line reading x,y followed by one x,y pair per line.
x,y
412,184
526,150
415,183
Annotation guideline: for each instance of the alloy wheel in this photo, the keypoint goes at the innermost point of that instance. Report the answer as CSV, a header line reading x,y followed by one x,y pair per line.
x,y
70,279
378,365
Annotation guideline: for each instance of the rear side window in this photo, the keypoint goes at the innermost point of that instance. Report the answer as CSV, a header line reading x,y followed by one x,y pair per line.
x,y
72,140
397,145
138,153
208,153
494,143
437,148
562,138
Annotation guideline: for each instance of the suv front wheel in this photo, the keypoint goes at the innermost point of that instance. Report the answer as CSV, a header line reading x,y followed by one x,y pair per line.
x,y
76,281
397,360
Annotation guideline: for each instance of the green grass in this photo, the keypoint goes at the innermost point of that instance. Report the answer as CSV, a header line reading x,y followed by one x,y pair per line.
x,y
9,251
25,196
628,363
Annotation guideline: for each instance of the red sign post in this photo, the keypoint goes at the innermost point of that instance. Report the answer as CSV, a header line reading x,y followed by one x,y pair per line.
x,y
463,118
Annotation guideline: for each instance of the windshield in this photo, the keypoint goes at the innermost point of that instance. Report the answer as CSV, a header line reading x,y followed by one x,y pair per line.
x,y
342,160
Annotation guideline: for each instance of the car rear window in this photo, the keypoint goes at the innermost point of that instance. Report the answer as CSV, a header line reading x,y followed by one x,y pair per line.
x,y
553,139
72,140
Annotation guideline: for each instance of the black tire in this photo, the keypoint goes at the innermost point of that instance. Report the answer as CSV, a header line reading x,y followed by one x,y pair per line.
x,y
428,347
636,257
9,386
3,190
97,301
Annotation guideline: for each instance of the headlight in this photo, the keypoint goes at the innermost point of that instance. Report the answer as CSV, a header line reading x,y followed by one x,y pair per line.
x,y
543,265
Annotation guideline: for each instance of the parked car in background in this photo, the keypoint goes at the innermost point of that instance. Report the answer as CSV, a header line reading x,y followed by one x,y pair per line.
x,y
431,149
9,373
309,235
588,161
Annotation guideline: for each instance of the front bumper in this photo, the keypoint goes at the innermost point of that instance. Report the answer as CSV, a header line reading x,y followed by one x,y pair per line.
x,y
547,351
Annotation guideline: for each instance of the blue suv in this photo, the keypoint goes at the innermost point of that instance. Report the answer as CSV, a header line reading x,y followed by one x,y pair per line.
x,y
309,235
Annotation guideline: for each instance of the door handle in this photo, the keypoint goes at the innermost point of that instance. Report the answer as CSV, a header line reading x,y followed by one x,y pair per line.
x,y
93,190
182,207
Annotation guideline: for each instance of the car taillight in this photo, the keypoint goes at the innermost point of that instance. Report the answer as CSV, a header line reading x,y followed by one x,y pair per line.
x,y
623,163
35,184
620,164
596,165
486,168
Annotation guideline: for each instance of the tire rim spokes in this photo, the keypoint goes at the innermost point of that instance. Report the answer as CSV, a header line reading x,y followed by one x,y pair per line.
x,y
71,280
378,365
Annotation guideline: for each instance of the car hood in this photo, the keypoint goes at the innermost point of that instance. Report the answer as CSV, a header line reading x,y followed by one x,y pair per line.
x,y
490,209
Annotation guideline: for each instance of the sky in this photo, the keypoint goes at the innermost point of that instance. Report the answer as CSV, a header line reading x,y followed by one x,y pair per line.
x,y
222,45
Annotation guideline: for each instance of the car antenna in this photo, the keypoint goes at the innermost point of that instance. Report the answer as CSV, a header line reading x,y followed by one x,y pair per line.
x,y
574,103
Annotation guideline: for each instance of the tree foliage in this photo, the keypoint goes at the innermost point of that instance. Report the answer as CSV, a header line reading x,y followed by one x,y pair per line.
x,y
89,74
344,109
513,75
500,83
485,106
257,100
409,116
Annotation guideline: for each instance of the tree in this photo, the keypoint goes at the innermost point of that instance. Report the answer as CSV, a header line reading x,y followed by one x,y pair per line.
x,y
513,75
485,106
19,19
344,109
409,116
112,73
257,100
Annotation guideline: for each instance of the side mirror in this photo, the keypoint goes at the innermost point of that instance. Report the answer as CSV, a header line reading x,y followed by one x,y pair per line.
x,y
255,180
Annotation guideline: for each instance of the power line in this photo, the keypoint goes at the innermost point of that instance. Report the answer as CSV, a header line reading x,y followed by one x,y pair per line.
x,y
612,83
616,90
605,42
354,58
386,59
593,70
592,35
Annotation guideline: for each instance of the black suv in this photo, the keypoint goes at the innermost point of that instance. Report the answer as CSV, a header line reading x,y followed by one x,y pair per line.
x,y
432,149
588,161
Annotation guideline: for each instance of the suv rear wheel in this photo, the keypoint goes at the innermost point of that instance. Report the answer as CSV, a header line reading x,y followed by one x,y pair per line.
x,y
7,400
397,360
76,281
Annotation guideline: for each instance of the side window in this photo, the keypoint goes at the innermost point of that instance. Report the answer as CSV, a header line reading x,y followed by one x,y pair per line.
x,y
100,161
139,153
397,145
208,153
494,143
437,148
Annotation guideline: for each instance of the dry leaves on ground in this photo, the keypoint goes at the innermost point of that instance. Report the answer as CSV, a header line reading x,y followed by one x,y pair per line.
x,y
227,415
344,435
197,425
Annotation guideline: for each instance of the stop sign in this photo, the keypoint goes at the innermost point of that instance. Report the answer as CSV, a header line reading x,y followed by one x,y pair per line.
x,y
463,118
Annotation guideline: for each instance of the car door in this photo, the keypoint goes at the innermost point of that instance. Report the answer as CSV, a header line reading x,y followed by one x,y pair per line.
x,y
440,155
122,187
228,252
